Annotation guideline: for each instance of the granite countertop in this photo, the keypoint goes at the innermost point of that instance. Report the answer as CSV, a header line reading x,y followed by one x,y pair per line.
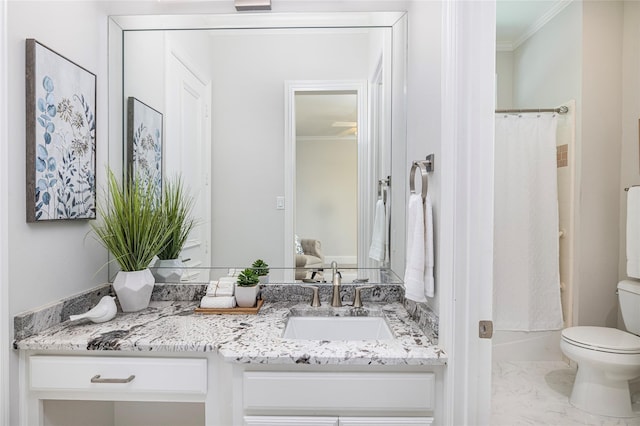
x,y
172,326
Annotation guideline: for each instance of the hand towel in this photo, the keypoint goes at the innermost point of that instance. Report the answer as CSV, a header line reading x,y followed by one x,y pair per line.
x,y
378,236
220,288
633,232
211,288
415,263
218,302
227,280
429,282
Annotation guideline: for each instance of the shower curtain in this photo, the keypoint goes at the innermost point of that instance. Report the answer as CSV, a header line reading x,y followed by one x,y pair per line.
x,y
526,291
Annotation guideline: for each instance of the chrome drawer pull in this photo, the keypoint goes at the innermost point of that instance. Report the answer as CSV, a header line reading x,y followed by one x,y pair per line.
x,y
97,379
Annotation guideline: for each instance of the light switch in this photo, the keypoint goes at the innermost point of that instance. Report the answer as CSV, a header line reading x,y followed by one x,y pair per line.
x,y
280,203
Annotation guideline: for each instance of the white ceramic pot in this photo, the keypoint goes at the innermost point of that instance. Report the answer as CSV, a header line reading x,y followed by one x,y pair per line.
x,y
134,289
168,270
264,279
246,296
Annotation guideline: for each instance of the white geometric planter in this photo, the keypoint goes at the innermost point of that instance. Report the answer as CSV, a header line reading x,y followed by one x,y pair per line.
x,y
246,296
168,270
264,279
134,289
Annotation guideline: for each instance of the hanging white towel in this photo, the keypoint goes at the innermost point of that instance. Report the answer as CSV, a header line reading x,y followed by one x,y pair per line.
x,y
414,272
429,282
378,236
633,232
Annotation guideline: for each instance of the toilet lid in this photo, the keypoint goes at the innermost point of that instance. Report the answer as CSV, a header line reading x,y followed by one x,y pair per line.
x,y
603,339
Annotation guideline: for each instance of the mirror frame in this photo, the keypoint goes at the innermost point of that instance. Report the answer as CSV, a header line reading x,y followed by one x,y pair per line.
x,y
396,21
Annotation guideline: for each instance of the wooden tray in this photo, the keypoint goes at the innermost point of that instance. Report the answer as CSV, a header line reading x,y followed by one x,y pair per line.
x,y
236,310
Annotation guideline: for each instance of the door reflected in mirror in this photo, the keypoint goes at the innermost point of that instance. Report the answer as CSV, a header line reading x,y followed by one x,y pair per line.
x,y
326,197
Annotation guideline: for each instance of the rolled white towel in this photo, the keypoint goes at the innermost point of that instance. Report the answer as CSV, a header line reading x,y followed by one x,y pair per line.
x,y
212,288
217,288
226,280
225,288
218,302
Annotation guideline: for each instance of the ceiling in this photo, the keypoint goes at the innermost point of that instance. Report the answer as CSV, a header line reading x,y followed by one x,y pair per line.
x,y
517,20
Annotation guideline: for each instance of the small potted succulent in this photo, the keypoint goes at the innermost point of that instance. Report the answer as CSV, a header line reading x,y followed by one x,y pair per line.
x,y
262,270
247,288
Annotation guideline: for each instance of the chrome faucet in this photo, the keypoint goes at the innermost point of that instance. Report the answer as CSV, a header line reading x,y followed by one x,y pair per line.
x,y
336,278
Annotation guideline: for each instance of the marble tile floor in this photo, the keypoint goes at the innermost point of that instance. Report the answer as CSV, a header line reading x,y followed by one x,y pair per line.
x,y
537,393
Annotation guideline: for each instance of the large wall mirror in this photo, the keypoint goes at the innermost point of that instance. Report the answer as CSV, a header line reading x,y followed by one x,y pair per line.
x,y
282,126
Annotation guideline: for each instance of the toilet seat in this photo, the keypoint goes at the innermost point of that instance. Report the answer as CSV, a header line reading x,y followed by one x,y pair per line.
x,y
602,339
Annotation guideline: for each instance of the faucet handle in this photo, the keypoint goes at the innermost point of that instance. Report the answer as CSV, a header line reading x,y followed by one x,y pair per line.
x,y
315,301
357,300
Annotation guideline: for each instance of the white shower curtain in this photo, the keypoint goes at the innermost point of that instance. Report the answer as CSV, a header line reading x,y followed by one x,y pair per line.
x,y
526,291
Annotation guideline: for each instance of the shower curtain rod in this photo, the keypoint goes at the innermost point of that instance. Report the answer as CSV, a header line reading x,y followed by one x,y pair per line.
x,y
560,110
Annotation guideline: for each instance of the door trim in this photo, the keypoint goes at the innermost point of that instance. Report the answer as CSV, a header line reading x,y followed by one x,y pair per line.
x,y
364,190
5,334
468,69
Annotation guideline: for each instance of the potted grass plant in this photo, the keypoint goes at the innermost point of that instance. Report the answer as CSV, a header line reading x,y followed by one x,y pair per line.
x,y
261,268
176,207
247,288
134,230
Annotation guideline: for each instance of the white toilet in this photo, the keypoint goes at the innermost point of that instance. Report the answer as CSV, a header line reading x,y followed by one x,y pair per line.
x,y
607,359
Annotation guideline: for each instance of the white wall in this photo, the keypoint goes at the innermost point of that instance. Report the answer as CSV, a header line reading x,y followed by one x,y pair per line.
x,y
248,133
630,155
144,75
599,207
47,261
504,80
424,113
327,196
6,333
54,259
547,67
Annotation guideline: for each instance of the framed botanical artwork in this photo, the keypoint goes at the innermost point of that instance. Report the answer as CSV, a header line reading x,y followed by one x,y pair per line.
x,y
144,144
60,137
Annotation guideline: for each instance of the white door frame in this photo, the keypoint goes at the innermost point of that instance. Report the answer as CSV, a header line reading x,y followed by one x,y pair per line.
x,y
364,185
173,53
5,334
468,103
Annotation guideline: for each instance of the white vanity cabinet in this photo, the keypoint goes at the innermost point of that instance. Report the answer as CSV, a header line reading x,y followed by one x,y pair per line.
x,y
105,388
67,389
336,421
313,395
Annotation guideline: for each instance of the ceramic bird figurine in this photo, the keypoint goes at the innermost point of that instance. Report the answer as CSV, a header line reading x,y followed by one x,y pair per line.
x,y
103,311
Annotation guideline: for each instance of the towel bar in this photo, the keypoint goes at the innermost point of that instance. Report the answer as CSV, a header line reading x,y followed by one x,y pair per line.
x,y
425,167
383,188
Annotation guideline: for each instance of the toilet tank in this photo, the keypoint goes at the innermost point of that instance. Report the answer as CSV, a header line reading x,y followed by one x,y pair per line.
x,y
629,298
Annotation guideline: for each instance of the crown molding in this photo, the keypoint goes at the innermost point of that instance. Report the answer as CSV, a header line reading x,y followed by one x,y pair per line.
x,y
541,22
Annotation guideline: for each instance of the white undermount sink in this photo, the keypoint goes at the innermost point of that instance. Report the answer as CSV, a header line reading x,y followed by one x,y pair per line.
x,y
337,328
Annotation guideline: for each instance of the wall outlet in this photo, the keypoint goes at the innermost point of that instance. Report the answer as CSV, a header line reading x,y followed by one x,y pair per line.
x,y
280,203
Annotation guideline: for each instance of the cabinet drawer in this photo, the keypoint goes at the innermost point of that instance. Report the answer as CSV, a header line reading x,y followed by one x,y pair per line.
x,y
373,392
118,374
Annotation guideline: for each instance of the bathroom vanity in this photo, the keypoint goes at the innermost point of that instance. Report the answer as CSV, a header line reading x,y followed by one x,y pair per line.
x,y
167,365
